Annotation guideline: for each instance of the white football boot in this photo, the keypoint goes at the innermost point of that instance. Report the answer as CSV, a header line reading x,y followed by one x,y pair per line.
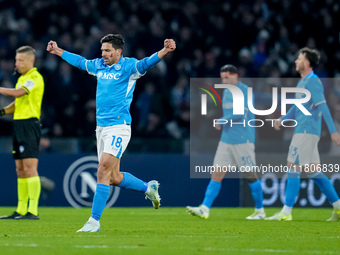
x,y
90,226
152,193
335,216
256,216
201,211
280,217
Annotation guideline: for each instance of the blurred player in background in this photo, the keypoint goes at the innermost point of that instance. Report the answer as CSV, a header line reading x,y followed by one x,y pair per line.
x,y
116,79
303,151
28,94
236,148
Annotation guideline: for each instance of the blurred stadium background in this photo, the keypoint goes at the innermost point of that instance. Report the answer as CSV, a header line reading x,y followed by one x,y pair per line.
x,y
260,37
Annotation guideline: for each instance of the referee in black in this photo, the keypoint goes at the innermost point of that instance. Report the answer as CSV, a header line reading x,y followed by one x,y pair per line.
x,y
26,109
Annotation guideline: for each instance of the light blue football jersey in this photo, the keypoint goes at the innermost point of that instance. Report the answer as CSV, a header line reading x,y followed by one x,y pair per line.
x,y
237,133
115,85
310,124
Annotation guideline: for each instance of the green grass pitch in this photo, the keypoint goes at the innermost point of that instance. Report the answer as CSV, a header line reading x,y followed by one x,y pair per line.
x,y
169,231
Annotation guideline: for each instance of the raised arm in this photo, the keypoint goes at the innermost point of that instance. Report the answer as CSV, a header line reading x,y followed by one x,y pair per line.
x,y
52,47
149,62
71,58
169,46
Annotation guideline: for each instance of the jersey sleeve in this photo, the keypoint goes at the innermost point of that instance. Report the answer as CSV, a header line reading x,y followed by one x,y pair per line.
x,y
147,63
33,81
82,63
315,88
28,85
327,117
131,68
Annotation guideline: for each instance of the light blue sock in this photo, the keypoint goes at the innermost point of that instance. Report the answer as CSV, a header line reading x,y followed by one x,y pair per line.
x,y
131,182
293,187
256,191
211,193
99,200
325,186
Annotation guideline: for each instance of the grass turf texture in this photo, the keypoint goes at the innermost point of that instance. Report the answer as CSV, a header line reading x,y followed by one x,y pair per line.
x,y
169,231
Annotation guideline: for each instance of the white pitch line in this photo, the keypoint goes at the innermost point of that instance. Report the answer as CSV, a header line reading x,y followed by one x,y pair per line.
x,y
24,245
130,247
106,246
92,246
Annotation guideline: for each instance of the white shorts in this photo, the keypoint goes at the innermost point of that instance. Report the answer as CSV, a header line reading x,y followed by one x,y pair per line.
x,y
235,155
113,139
303,149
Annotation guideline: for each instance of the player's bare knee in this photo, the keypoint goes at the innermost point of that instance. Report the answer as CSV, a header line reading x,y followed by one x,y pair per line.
x,y
105,164
115,181
217,176
216,179
103,173
251,177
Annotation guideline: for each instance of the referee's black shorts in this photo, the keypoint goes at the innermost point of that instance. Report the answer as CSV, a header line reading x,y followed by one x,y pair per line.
x,y
26,138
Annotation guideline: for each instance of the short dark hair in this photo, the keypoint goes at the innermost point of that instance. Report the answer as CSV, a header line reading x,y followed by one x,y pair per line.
x,y
116,40
26,49
228,68
312,55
